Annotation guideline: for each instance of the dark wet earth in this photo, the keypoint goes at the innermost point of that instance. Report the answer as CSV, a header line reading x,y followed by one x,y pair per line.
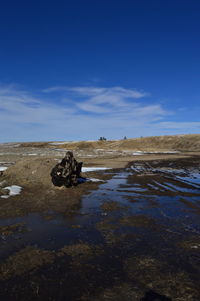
x,y
135,238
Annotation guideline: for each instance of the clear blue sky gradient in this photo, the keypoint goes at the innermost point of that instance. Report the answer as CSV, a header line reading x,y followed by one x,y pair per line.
x,y
53,54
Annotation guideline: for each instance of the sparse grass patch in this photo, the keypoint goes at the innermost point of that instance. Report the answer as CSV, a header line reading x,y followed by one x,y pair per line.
x,y
139,221
106,225
108,228
76,250
157,276
122,291
192,243
25,260
34,144
113,206
80,251
8,230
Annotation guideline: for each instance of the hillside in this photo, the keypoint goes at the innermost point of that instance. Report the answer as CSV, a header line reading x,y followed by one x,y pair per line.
x,y
157,143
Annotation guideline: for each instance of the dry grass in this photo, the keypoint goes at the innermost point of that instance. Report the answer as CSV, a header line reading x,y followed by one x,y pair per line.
x,y
34,144
122,291
25,260
112,206
76,250
156,275
162,143
139,221
9,230
30,171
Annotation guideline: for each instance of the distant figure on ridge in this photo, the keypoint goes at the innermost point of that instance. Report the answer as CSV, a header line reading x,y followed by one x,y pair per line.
x,y
67,171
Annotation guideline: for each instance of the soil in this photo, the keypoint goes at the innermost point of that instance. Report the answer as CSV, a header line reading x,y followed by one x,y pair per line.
x,y
38,193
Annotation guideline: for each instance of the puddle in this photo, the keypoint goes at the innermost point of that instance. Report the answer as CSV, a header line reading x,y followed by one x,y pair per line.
x,y
143,224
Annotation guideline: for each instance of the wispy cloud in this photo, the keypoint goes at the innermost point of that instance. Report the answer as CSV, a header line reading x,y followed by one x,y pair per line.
x,y
67,113
100,99
25,117
94,91
119,91
19,106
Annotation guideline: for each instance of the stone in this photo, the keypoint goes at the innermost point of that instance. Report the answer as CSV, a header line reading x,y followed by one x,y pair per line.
x,y
67,172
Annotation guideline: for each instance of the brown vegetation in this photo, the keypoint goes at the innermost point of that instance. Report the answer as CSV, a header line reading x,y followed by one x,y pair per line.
x,y
155,143
113,206
25,260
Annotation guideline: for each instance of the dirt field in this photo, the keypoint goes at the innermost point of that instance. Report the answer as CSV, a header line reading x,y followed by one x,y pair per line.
x,y
29,166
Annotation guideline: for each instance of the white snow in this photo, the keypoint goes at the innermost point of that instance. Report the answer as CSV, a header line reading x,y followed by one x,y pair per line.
x,y
138,153
60,149
86,169
162,152
4,196
94,180
13,190
2,168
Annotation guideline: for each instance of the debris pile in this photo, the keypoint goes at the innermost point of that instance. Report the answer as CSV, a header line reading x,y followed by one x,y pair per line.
x,y
67,172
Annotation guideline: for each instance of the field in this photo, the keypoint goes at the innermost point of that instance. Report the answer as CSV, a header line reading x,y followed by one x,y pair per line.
x,y
130,231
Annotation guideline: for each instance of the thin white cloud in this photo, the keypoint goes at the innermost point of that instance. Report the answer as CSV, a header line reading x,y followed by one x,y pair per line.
x,y
99,100
55,89
93,91
82,113
105,100
21,107
87,91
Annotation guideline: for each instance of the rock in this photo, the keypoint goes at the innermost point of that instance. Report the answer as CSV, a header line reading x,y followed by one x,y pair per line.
x,y
67,172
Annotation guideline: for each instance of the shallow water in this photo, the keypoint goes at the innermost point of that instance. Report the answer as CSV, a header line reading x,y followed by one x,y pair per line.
x,y
144,213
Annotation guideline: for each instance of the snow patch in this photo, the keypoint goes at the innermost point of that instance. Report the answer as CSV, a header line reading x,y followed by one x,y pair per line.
x,y
2,168
138,153
13,190
94,180
87,169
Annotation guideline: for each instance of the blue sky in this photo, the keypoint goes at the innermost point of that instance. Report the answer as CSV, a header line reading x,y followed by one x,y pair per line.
x,y
78,70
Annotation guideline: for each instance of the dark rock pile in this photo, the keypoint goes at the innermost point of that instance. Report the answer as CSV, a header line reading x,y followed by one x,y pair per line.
x,y
67,172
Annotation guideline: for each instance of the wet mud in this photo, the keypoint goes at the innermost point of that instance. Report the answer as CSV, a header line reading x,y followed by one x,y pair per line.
x,y
136,236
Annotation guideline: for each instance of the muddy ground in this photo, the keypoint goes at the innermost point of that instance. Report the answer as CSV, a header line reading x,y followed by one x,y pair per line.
x,y
133,236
